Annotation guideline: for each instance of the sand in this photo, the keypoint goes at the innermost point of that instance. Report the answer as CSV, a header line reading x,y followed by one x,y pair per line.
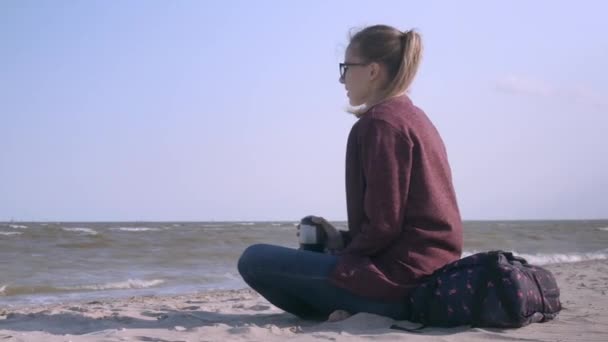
x,y
241,315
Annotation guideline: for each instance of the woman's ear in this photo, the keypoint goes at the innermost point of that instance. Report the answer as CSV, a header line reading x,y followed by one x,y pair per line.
x,y
374,71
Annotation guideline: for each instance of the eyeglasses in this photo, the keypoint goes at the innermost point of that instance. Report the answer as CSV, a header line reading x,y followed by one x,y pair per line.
x,y
344,67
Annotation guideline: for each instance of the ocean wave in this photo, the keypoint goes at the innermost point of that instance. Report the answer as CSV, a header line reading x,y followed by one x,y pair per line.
x,y
603,228
85,245
10,233
123,285
81,230
246,223
556,258
17,226
231,276
16,290
136,229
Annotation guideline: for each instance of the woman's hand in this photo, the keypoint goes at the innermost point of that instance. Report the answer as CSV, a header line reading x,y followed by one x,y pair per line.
x,y
334,238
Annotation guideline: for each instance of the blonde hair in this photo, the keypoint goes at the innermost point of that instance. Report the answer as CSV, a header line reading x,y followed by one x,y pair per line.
x,y
400,52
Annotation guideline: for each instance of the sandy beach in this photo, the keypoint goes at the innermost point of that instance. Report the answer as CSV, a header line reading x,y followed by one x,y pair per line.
x,y
241,315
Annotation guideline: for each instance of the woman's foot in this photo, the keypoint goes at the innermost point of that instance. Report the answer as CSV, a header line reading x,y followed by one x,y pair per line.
x,y
338,315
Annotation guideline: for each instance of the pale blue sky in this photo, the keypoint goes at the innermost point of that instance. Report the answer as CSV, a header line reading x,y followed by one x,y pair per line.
x,y
232,110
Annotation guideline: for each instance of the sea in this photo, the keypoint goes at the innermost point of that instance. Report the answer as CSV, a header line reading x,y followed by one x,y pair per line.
x,y
52,262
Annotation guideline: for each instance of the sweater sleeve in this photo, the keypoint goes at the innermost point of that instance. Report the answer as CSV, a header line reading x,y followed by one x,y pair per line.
x,y
386,162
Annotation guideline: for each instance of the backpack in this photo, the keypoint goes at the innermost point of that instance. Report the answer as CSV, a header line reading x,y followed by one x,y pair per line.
x,y
490,289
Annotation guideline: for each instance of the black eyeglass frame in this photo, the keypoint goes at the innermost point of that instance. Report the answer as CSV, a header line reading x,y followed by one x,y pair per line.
x,y
344,67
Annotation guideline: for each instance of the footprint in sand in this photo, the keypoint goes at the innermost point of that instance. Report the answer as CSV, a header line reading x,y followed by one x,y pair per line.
x,y
239,330
158,315
154,339
259,307
194,307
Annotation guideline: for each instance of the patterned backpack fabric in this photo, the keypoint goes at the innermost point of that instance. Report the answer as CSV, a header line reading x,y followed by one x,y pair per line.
x,y
491,289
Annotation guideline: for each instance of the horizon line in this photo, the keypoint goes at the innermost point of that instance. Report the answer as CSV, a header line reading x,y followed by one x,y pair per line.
x,y
283,220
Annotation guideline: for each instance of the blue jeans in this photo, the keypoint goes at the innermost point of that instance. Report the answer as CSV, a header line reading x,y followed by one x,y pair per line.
x,y
297,281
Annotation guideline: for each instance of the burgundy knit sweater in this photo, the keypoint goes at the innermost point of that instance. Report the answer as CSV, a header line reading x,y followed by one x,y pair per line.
x,y
403,218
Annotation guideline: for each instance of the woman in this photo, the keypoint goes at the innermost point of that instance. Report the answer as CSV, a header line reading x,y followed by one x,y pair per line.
x,y
403,218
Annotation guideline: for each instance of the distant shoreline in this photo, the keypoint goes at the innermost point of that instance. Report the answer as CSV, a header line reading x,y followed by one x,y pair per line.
x,y
295,220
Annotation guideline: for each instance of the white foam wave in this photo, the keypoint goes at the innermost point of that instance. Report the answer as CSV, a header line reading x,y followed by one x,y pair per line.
x,y
10,233
123,285
136,229
17,226
246,223
556,258
276,224
604,229
231,276
81,230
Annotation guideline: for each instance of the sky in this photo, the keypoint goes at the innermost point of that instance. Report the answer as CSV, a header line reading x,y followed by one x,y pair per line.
x,y
232,110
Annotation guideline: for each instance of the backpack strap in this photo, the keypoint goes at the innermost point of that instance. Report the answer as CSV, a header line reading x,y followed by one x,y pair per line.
x,y
492,275
480,294
540,291
505,259
514,259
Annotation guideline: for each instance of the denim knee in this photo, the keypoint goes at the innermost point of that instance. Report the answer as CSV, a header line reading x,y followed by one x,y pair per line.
x,y
249,259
